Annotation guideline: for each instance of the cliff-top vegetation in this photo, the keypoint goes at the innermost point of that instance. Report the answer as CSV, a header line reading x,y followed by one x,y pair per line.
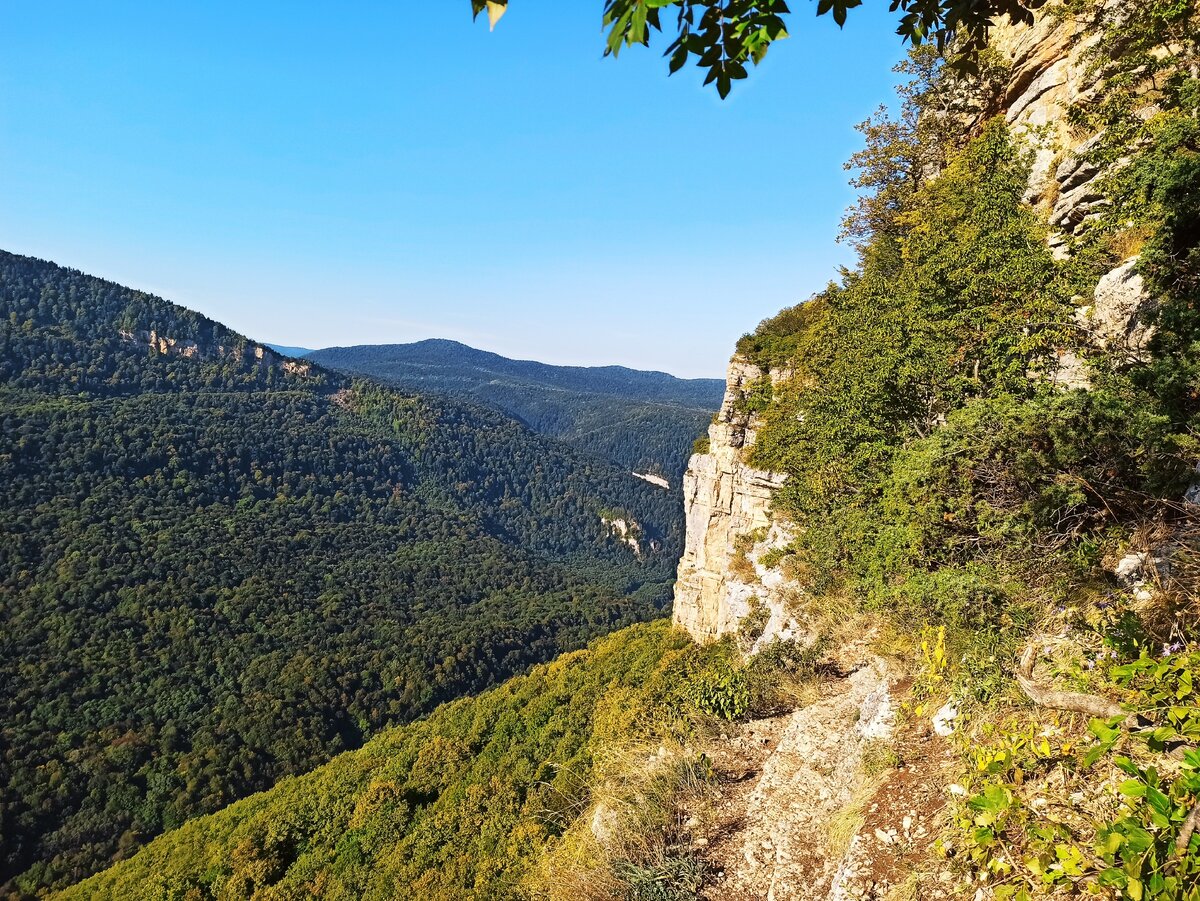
x,y
946,472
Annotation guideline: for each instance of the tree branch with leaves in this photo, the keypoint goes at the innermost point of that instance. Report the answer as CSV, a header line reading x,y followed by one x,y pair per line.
x,y
725,36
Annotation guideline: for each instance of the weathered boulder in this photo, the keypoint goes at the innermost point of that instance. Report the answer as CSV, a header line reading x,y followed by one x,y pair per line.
x,y
1121,316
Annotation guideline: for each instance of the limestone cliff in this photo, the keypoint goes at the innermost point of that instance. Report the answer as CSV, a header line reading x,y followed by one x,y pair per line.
x,y
173,347
721,578
726,502
1050,72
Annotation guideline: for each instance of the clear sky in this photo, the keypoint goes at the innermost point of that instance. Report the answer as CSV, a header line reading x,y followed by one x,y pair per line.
x,y
318,173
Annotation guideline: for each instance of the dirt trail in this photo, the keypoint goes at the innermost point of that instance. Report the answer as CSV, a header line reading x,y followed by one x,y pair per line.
x,y
797,818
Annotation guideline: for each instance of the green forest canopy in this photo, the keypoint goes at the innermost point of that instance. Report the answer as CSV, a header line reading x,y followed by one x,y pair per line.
x,y
643,421
219,567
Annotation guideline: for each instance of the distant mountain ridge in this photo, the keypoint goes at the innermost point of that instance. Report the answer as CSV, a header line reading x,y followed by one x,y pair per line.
x,y
617,380
642,420
289,350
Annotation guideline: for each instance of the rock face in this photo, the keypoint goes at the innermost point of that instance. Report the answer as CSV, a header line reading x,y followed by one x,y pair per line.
x,y
653,479
1050,73
172,347
1121,318
626,531
726,504
730,530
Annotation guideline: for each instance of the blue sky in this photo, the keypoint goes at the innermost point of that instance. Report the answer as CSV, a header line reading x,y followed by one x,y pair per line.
x,y
317,174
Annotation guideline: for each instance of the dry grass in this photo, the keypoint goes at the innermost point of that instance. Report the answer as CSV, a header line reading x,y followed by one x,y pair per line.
x,y
879,756
908,890
833,618
1129,242
847,821
1171,612
1053,189
635,820
740,564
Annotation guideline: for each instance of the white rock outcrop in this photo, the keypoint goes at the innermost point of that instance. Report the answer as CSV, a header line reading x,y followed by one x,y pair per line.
x,y
653,479
167,346
625,531
1121,317
726,502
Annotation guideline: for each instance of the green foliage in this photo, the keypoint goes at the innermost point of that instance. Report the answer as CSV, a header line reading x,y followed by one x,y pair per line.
x,y
1132,854
785,336
218,570
722,688
675,878
937,480
1167,691
725,37
757,397
643,421
460,805
959,305
777,675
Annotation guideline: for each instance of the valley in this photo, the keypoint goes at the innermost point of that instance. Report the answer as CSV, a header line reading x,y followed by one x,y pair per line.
x,y
221,567
646,422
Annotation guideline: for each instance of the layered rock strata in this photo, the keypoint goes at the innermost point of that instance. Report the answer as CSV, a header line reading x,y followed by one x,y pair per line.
x,y
728,508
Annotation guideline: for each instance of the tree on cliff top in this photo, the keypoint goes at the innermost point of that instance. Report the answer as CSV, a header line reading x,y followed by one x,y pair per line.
x,y
726,35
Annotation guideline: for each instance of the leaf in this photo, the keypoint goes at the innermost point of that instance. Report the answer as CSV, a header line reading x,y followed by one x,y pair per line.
x,y
1127,765
1137,839
495,11
1132,788
637,31
1108,843
678,58
1112,876
1161,805
617,35
1095,752
1105,730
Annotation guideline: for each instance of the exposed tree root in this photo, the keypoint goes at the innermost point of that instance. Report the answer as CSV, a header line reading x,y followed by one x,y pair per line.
x,y
1045,696
1189,826
1092,705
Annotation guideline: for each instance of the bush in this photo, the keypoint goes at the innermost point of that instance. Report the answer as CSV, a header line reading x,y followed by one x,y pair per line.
x,y
721,689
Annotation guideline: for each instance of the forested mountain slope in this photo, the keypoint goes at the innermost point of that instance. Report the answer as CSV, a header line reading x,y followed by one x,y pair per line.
x,y
219,567
943,554
645,421
458,806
